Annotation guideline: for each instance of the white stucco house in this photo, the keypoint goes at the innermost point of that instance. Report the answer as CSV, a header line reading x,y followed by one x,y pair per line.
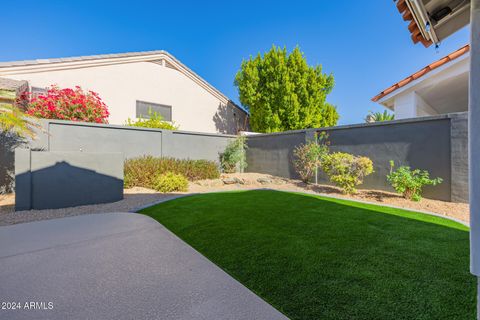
x,y
132,83
439,88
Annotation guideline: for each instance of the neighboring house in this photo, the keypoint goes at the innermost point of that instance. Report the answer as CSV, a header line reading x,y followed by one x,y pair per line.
x,y
439,88
10,89
132,83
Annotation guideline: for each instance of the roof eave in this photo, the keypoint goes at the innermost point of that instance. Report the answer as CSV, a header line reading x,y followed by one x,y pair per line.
x,y
428,29
386,101
424,74
45,65
412,11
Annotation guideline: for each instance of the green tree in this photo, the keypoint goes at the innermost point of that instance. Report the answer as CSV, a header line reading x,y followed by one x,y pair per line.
x,y
282,92
379,116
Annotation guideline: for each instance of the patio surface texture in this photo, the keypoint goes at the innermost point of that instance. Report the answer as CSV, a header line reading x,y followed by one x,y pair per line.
x,y
116,266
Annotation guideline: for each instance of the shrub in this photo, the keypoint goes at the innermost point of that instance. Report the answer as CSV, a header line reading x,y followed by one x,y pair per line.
x,y
234,155
69,104
169,182
155,121
14,121
308,157
346,170
142,172
379,116
410,182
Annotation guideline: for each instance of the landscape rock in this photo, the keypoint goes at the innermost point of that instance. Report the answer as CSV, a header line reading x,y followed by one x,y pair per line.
x,y
209,183
264,180
279,181
233,180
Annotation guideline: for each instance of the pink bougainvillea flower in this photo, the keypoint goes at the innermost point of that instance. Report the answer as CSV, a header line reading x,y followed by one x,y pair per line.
x,y
68,104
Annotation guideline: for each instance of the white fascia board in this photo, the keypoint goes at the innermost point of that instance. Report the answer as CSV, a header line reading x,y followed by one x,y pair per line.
x,y
388,99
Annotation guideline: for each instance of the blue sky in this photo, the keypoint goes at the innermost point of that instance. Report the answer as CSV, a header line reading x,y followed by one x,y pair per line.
x,y
365,44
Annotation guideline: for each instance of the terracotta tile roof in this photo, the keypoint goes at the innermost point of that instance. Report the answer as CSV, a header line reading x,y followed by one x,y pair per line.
x,y
412,26
452,56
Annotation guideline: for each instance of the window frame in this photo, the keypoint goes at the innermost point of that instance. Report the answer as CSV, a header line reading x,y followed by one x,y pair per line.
x,y
152,105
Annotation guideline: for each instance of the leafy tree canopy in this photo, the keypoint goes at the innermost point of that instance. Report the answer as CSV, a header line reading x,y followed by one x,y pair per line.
x,y
282,92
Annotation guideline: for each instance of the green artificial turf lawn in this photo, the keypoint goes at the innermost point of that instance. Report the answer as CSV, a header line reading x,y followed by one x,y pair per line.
x,y
319,258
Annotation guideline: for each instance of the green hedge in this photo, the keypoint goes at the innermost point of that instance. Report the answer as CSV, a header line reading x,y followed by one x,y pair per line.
x,y
143,171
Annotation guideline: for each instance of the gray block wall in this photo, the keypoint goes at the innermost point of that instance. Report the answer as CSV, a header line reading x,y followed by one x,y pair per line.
x,y
51,180
68,136
8,144
421,143
71,163
459,157
273,153
130,141
100,138
437,144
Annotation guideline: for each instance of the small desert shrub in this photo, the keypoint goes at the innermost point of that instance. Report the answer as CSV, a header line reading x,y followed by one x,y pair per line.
x,y
234,155
410,182
142,172
346,170
154,121
308,157
170,182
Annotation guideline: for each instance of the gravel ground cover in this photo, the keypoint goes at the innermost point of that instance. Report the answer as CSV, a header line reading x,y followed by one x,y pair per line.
x,y
136,198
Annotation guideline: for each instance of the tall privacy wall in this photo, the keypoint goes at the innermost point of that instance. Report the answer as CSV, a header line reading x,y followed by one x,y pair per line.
x,y
51,180
131,141
437,144
67,136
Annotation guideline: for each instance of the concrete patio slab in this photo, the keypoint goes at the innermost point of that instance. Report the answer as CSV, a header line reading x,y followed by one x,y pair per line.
x,y
115,266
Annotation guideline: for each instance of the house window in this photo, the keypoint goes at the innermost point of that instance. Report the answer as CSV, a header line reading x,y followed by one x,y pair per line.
x,y
37,91
144,108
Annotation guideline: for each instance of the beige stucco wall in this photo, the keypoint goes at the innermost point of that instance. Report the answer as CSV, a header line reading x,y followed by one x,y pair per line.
x,y
120,85
412,105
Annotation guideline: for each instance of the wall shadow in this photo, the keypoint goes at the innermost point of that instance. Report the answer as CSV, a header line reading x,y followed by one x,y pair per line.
x,y
8,143
64,185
